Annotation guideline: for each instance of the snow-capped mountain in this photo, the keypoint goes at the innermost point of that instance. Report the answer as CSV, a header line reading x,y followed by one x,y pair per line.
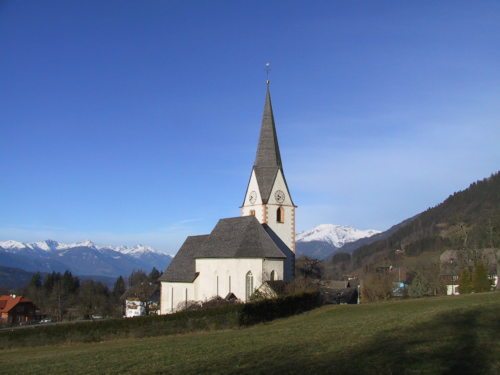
x,y
81,258
326,239
135,251
47,245
337,235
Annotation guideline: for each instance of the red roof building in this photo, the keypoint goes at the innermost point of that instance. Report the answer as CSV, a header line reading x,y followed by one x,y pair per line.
x,y
17,309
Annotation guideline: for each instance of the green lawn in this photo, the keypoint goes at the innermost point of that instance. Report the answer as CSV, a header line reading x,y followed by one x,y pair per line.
x,y
455,335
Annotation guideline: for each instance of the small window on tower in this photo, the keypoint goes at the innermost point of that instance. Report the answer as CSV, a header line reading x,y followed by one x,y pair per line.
x,y
252,212
280,215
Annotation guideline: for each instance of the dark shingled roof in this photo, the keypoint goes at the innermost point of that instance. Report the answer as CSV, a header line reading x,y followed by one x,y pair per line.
x,y
182,268
268,151
268,158
239,237
236,237
265,179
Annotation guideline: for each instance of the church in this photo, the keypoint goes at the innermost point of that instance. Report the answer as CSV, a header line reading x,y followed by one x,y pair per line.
x,y
240,253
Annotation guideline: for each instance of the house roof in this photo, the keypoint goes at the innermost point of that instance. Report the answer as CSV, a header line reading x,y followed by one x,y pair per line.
x,y
8,302
239,237
236,237
182,267
335,284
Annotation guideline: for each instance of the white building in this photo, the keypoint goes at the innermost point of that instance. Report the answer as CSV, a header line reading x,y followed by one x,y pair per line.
x,y
452,290
243,252
134,308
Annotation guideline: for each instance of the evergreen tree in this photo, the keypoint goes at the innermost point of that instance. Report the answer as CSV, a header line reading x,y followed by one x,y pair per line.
x,y
137,278
154,275
420,286
119,287
480,280
70,284
36,281
465,282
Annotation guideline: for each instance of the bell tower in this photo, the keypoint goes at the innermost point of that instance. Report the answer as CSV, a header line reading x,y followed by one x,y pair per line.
x,y
268,197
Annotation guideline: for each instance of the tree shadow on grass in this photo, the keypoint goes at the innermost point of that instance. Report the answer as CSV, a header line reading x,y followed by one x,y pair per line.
x,y
461,342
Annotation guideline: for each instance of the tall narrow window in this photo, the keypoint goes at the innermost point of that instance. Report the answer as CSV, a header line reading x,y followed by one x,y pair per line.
x,y
249,285
252,212
273,275
229,284
172,301
280,215
217,286
186,299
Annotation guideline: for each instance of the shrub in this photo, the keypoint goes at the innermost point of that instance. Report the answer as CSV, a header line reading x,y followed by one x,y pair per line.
x,y
269,309
376,287
480,280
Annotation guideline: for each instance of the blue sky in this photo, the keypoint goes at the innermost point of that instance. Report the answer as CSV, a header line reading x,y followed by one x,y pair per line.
x,y
137,122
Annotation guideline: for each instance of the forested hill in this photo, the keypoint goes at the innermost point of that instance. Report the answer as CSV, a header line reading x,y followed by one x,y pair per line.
x,y
469,219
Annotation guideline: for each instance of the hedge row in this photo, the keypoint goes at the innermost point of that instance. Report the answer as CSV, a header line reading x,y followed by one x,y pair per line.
x,y
224,317
270,309
100,330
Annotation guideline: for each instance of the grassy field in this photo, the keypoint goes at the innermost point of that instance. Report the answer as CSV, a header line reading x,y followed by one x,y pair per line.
x,y
455,335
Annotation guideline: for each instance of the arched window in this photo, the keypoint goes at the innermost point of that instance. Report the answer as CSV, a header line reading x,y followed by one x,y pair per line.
x,y
273,275
252,212
249,285
280,215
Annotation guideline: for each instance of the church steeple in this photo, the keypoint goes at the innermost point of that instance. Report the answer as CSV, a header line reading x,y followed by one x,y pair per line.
x,y
267,196
268,158
268,151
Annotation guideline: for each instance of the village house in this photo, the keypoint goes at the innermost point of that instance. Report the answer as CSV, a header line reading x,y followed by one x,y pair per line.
x,y
134,307
17,310
240,253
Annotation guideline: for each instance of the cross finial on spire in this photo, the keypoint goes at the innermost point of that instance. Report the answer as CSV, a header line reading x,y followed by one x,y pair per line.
x,y
268,69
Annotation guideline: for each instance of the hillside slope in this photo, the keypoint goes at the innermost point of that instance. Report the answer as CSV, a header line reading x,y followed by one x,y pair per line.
x,y
455,335
469,219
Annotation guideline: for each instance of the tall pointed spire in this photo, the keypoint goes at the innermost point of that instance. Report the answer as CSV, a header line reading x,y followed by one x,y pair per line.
x,y
268,151
268,158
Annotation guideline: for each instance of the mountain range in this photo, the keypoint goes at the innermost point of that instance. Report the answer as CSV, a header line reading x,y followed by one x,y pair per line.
x,y
87,259
81,258
469,219
325,240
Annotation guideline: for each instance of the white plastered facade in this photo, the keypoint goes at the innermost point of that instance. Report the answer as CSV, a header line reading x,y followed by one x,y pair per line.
x,y
219,277
267,213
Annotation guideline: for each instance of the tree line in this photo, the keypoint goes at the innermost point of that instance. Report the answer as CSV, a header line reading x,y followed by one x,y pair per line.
x,y
63,296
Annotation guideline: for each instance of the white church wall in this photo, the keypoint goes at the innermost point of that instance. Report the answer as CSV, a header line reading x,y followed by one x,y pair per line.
x,y
257,205
231,274
175,294
279,184
270,265
285,230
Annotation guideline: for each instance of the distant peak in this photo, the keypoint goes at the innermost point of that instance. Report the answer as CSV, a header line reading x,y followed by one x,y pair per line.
x,y
336,235
87,243
47,245
52,245
10,244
